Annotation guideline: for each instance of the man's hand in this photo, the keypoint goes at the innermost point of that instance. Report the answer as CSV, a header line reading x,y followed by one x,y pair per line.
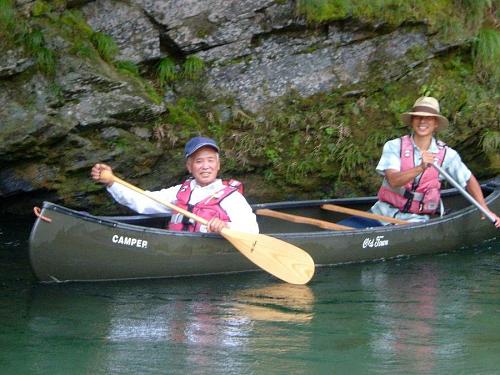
x,y
216,225
497,219
96,175
427,159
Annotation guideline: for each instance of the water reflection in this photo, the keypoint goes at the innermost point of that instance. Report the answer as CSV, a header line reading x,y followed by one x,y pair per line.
x,y
196,323
279,302
422,315
406,316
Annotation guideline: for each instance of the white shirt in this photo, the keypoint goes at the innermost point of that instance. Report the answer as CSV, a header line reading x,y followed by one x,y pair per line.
x,y
237,208
391,159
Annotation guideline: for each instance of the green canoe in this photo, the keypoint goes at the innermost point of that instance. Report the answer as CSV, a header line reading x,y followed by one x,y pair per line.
x,y
68,245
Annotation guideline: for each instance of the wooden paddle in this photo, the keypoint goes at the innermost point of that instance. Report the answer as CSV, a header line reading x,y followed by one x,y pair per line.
x,y
281,259
463,192
352,211
301,219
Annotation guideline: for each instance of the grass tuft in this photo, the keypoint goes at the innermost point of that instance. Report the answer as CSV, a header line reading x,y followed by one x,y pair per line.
x,y
46,61
128,67
105,45
490,141
193,67
7,18
166,71
486,53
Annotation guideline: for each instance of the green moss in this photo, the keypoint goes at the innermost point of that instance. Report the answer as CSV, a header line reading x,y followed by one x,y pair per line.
x,y
317,11
186,114
417,53
453,20
75,23
40,8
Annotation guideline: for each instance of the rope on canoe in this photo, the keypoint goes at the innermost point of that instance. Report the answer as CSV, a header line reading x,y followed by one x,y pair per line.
x,y
38,213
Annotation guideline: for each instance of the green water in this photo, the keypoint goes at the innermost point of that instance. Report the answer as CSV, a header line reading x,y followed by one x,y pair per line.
x,y
422,315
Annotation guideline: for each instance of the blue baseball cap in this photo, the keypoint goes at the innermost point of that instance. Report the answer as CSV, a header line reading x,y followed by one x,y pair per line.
x,y
194,144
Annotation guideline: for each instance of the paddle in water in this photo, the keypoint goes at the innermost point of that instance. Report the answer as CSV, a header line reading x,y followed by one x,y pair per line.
x,y
281,259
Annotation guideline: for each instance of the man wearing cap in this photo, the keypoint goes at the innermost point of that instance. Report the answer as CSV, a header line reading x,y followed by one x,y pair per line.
x,y
205,195
411,186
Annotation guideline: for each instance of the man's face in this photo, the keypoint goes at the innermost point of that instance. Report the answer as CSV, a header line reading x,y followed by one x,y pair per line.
x,y
424,125
204,165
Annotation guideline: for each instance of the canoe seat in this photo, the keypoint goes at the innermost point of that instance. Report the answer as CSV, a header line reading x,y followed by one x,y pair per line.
x,y
360,222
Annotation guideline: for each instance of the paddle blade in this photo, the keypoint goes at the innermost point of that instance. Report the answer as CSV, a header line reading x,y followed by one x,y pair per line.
x,y
281,259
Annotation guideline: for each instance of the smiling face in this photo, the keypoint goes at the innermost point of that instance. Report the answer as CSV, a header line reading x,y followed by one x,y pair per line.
x,y
204,165
424,126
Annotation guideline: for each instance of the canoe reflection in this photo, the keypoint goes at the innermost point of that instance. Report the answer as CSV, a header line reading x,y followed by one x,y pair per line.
x,y
179,312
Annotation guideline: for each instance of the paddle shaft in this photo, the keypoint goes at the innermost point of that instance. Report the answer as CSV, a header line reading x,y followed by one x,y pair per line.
x,y
301,219
463,192
165,203
351,211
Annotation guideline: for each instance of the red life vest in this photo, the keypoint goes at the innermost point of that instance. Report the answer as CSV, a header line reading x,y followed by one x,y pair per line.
x,y
417,197
207,208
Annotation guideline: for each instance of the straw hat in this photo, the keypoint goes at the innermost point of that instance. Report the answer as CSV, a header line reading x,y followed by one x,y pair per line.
x,y
425,106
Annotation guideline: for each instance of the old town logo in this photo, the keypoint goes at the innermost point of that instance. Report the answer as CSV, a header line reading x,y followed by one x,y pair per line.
x,y
375,242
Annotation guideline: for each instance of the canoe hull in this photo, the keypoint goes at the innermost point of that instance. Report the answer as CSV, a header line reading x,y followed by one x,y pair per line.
x,y
76,246
79,249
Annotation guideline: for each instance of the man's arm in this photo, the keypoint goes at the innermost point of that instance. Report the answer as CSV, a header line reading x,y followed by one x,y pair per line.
x,y
474,189
240,213
131,198
397,178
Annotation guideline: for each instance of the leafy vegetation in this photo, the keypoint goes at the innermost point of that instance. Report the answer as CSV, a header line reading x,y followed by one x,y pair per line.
x,y
128,67
7,18
486,52
490,141
105,45
193,67
322,146
166,71
438,14
474,20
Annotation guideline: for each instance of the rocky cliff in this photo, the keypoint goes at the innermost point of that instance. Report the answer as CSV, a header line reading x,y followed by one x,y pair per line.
x,y
301,105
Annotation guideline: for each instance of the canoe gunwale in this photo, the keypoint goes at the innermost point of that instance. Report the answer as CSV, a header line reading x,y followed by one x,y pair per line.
x,y
115,223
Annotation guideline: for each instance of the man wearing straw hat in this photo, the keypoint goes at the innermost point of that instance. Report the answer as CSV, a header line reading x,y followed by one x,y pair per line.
x,y
205,195
411,186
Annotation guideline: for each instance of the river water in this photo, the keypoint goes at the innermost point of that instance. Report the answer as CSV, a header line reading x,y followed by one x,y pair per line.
x,y
435,314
